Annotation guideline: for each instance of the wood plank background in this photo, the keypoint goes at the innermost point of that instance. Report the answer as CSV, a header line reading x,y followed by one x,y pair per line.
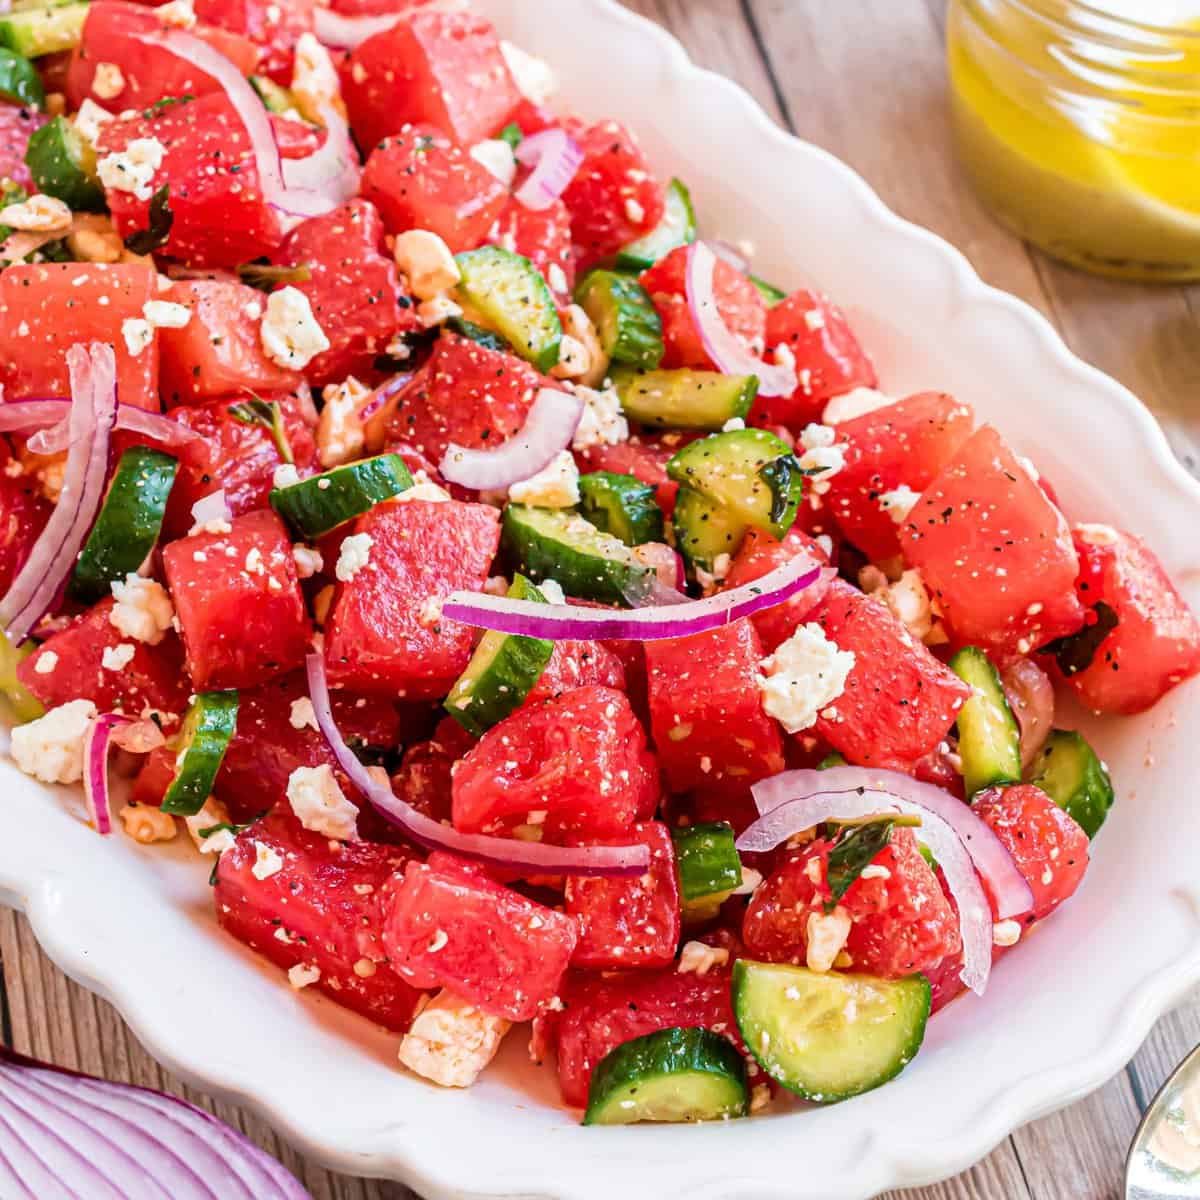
x,y
863,78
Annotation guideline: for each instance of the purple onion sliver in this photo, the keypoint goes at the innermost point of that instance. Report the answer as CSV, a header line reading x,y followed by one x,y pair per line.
x,y
96,745
555,157
383,393
348,33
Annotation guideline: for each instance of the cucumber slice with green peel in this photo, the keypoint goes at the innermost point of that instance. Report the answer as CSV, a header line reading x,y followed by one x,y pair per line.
x,y
477,333
709,868
63,164
768,291
20,81
207,731
683,398
34,32
621,505
627,323
1070,772
130,520
275,97
321,503
22,703
989,738
510,294
828,1037
502,672
669,1075
750,472
677,228
559,544
704,529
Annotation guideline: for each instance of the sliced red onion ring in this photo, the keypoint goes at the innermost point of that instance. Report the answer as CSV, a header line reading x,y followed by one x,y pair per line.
x,y
1031,697
563,622
554,156
21,244
507,853
71,1135
49,418
723,346
1008,887
548,430
213,507
93,375
347,33
332,170
383,393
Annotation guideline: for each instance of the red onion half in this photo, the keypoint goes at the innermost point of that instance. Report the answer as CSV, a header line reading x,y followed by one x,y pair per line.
x,y
548,430
346,33
535,858
724,347
49,419
93,414
1031,697
559,622
554,156
69,1135
106,731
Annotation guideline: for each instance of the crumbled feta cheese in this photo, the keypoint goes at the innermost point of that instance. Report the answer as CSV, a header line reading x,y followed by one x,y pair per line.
x,y
143,610
38,214
138,334
267,861
426,262
88,120
341,434
806,673
750,881
303,974
534,78
451,1041
1006,933
733,425
855,403
431,611
556,277
212,814
574,360
899,502
1098,535
875,871
285,475
423,488
603,423
177,14
822,457
319,802
165,314
354,556
438,310
826,934
552,590
132,169
315,85
556,486
496,157
146,824
289,332
303,715
908,598
308,561
51,748
46,663
760,1098
697,958
108,81
814,318
118,657
634,211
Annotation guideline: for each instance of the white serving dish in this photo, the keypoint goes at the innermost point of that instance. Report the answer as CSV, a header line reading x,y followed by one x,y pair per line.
x,y
1060,1017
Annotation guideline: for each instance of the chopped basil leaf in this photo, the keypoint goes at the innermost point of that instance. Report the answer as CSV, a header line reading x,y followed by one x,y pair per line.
x,y
1076,651
157,107
855,850
511,134
146,241
266,276
268,415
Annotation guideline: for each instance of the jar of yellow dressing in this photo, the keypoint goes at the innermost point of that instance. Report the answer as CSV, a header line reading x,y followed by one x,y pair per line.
x,y
1079,124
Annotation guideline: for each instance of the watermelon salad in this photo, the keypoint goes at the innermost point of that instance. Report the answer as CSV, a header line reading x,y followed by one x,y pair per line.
x,y
532,616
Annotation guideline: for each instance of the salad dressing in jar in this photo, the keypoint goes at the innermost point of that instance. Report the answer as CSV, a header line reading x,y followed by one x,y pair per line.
x,y
1079,125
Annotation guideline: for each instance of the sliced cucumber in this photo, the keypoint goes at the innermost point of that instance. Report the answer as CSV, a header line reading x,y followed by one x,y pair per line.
x,y
477,333
130,520
827,1037
510,294
768,291
275,97
63,164
704,529
20,81
709,868
677,228
34,32
626,321
559,544
750,472
669,1075
317,505
207,731
23,704
683,398
503,670
621,505
989,738
1070,772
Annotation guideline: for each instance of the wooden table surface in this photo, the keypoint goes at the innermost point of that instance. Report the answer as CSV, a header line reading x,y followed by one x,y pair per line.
x,y
864,79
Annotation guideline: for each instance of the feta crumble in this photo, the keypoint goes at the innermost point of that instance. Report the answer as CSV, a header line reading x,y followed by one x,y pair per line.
x,y
341,434
806,673
303,974
315,85
826,934
108,81
855,403
46,663
267,862
308,560
289,332
51,748
146,824
320,804
165,314
426,262
138,334
451,1041
38,214
285,475
698,958
303,715
496,157
88,120
1006,933
899,502
823,457
143,610
354,556
212,814
132,169
556,486
117,658
603,423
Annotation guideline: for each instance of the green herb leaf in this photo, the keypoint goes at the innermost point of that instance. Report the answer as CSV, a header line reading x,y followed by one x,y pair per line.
x,y
266,276
778,475
855,850
1076,651
146,241
268,415
477,333
511,134
157,107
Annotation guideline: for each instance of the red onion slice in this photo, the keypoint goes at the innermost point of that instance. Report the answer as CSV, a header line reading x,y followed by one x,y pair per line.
x,y
93,375
49,418
72,1135
213,507
974,912
1031,697
347,33
506,853
332,171
21,244
1008,887
554,156
548,430
101,735
723,346
563,622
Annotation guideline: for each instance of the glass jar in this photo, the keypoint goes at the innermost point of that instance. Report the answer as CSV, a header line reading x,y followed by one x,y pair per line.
x,y
1079,125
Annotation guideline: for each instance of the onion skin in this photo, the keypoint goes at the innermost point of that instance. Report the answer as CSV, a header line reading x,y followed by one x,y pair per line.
x,y
1030,695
